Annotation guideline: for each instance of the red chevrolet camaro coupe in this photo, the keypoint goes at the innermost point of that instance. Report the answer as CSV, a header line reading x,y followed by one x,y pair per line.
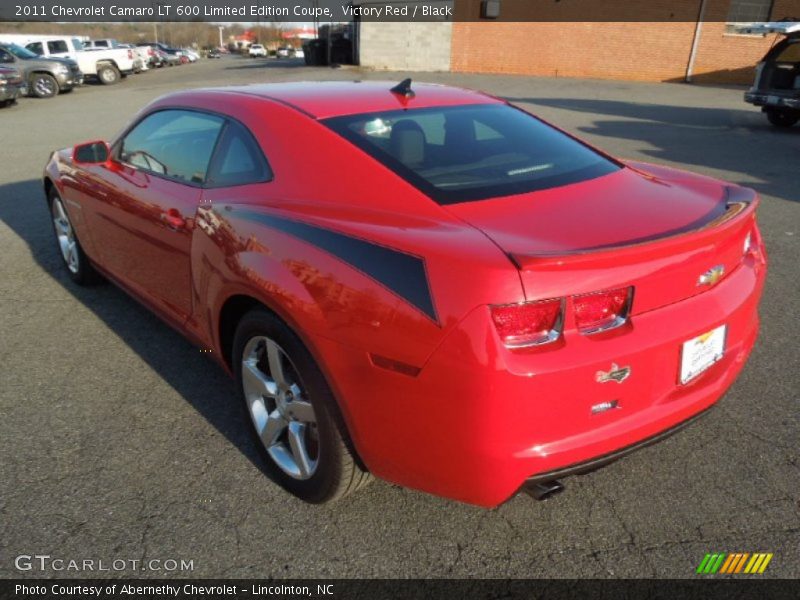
x,y
420,282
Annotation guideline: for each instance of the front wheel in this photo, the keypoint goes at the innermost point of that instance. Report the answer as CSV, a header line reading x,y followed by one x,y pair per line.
x,y
295,421
78,266
783,118
43,85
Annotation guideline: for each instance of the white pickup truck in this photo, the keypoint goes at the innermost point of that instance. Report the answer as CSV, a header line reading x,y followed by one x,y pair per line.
x,y
108,66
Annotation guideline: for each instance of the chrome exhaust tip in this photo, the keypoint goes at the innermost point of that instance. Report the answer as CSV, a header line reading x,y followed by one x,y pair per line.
x,y
543,490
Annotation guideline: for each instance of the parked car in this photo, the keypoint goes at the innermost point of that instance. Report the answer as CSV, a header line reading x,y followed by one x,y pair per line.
x,y
190,54
142,55
12,85
163,47
214,53
167,59
154,59
284,52
165,54
777,83
139,61
256,50
44,77
298,53
487,306
108,66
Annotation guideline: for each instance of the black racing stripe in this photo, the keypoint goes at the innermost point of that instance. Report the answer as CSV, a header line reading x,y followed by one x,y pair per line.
x,y
403,274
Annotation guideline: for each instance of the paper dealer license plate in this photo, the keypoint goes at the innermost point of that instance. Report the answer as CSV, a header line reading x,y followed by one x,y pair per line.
x,y
701,352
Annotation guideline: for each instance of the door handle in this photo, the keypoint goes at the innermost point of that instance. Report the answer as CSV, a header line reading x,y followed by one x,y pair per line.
x,y
173,219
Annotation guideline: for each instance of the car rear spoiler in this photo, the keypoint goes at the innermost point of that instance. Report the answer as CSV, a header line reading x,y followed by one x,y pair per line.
x,y
738,200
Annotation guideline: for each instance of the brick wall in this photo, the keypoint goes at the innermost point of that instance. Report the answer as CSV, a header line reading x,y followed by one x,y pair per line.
x,y
638,51
650,51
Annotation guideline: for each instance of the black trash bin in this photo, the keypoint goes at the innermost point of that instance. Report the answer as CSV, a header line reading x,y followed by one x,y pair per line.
x,y
315,52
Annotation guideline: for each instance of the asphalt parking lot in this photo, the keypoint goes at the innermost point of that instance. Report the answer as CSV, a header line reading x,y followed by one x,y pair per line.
x,y
120,440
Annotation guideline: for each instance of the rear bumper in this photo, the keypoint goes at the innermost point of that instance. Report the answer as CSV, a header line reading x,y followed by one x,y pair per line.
x,y
479,421
772,100
601,461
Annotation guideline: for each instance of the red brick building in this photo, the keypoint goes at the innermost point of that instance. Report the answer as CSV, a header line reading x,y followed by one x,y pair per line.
x,y
681,39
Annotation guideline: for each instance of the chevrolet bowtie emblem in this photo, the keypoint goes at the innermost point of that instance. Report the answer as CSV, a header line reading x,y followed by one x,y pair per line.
x,y
712,276
614,374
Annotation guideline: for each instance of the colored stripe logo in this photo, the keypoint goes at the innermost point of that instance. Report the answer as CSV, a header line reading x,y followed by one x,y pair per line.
x,y
734,563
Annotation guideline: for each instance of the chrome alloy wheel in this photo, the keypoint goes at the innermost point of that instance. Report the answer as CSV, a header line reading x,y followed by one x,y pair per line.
x,y
284,419
44,86
65,235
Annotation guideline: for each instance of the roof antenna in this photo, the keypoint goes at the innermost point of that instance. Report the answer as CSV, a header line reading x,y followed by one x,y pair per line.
x,y
404,89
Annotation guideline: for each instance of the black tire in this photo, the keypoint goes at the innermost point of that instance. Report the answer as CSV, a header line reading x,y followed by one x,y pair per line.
x,y
337,471
43,85
83,272
108,74
782,118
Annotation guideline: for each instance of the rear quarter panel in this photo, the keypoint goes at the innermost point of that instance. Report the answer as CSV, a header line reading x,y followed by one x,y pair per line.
x,y
242,246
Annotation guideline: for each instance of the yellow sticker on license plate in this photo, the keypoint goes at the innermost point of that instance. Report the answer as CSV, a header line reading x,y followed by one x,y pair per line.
x,y
700,353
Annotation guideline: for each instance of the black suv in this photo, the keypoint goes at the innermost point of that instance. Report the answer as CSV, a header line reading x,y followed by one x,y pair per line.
x,y
777,85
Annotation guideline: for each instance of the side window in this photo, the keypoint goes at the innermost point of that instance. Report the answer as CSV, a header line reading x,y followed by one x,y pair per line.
x,y
175,143
5,57
36,48
747,11
101,44
57,47
238,159
790,54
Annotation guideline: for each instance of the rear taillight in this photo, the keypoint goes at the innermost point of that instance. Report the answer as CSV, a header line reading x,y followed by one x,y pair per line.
x,y
528,323
601,311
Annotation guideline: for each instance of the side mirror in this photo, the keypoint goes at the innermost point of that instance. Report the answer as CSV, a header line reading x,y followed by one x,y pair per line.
x,y
91,153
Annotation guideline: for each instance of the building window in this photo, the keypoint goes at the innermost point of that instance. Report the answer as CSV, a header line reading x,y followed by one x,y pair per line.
x,y
747,11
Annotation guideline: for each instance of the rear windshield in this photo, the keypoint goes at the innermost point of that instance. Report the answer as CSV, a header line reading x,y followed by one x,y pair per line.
x,y
462,153
791,53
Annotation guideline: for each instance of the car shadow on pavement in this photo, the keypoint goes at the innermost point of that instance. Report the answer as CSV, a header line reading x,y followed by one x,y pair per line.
x,y
207,388
740,144
268,63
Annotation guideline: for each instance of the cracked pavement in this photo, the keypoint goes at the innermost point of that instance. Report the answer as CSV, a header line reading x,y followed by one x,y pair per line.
x,y
119,439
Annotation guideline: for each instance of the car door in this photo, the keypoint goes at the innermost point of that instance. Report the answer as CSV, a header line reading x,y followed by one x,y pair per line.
x,y
239,172
144,204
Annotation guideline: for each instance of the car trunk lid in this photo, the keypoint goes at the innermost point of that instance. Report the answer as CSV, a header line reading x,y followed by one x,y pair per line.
x,y
643,226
